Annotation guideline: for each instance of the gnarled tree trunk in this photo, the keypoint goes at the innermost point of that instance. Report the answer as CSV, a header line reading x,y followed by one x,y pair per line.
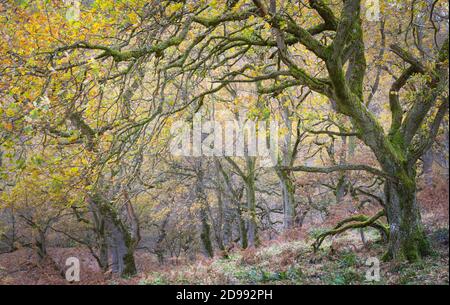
x,y
99,228
242,227
40,242
122,242
227,232
407,240
205,234
287,193
122,251
252,227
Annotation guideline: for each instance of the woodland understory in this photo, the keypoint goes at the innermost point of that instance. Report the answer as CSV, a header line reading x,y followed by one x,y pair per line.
x,y
102,158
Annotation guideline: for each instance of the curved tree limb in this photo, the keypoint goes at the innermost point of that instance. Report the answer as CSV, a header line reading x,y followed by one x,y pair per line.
x,y
337,168
354,222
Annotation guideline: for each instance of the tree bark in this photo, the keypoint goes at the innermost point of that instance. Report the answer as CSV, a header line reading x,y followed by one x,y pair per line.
x,y
228,197
252,228
40,242
242,227
122,243
407,240
227,231
287,193
122,255
205,228
99,228
205,234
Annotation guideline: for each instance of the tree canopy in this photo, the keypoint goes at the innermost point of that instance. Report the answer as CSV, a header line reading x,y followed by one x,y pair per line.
x,y
90,92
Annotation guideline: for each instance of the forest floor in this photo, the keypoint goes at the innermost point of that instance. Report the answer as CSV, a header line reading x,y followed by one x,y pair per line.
x,y
278,263
294,263
341,260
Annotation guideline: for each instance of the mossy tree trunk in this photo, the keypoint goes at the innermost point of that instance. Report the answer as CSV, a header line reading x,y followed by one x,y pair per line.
x,y
103,249
242,227
407,240
289,149
101,238
227,232
248,223
40,242
205,234
250,189
232,208
222,222
39,232
200,197
252,221
122,243
122,252
287,193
